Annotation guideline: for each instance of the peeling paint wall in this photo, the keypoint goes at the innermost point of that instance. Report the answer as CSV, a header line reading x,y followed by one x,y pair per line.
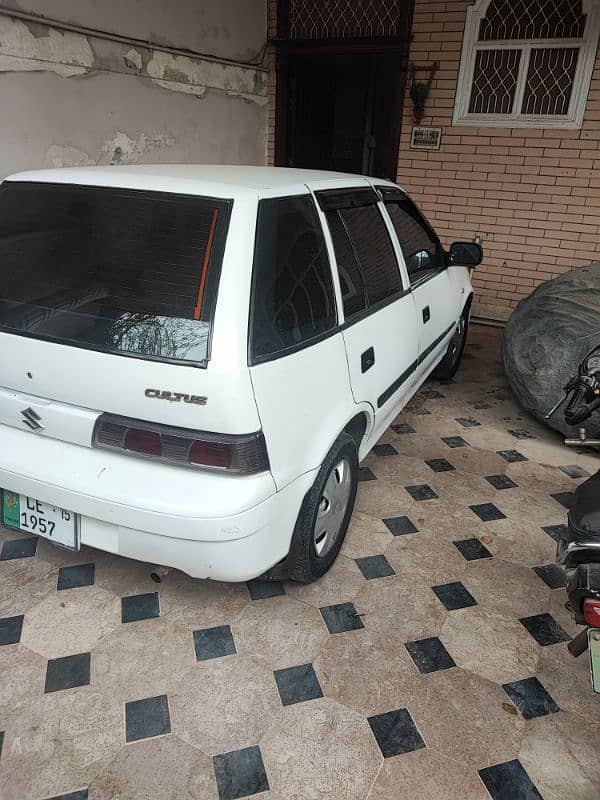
x,y
227,28
70,99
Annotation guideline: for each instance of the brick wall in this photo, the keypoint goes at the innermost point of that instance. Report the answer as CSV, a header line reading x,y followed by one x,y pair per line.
x,y
533,195
271,82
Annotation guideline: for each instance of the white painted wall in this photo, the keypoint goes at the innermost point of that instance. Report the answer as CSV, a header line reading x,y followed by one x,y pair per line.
x,y
70,98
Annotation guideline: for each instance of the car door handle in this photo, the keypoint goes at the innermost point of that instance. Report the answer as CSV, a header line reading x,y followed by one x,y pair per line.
x,y
426,314
367,359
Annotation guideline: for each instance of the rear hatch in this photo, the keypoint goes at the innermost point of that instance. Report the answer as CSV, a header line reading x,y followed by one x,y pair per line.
x,y
107,305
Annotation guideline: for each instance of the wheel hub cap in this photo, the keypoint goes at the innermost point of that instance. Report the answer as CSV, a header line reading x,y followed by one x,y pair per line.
x,y
332,508
458,337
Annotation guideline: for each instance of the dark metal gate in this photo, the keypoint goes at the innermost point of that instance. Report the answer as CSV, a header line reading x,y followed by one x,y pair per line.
x,y
341,75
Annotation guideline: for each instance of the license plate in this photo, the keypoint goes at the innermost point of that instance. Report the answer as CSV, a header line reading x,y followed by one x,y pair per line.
x,y
594,642
42,519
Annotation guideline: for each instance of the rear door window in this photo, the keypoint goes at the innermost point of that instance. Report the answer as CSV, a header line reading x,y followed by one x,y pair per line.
x,y
293,301
354,292
367,232
116,270
367,265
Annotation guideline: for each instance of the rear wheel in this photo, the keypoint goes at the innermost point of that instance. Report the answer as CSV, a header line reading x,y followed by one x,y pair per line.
x,y
324,516
449,365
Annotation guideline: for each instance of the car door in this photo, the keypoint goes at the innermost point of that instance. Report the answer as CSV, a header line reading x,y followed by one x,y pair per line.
x,y
296,350
379,328
437,304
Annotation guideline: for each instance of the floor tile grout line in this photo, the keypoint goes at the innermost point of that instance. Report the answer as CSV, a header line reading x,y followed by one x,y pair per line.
x,y
372,786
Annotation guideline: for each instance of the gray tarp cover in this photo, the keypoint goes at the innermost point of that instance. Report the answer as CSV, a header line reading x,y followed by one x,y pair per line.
x,y
548,336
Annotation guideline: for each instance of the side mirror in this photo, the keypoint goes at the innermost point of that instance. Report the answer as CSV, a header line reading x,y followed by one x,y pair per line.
x,y
465,254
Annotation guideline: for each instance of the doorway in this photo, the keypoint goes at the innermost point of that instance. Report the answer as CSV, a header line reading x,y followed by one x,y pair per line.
x,y
340,111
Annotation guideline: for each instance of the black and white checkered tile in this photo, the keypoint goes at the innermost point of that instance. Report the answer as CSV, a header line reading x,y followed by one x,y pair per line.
x,y
430,659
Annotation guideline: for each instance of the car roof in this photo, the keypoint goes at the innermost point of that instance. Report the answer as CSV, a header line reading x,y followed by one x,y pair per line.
x,y
193,178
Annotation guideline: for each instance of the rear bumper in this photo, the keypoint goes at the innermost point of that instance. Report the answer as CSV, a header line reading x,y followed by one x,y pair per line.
x,y
263,536
208,525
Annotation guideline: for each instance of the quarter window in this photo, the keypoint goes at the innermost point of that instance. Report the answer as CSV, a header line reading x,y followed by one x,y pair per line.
x,y
420,248
292,290
365,258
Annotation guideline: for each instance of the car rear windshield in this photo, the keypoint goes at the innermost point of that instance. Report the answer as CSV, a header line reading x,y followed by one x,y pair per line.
x,y
116,270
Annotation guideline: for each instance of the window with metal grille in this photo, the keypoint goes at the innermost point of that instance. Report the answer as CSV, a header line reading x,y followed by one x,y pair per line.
x,y
345,19
532,19
527,63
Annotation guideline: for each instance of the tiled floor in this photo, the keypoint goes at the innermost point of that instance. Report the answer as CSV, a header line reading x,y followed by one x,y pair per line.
x,y
429,664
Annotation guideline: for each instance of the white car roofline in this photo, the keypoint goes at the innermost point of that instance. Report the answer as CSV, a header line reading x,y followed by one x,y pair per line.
x,y
212,181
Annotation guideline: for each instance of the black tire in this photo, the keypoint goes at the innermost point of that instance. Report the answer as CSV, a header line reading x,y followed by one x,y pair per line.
x,y
450,363
304,564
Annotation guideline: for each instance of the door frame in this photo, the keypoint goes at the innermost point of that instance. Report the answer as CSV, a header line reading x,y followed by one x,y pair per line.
x,y
333,47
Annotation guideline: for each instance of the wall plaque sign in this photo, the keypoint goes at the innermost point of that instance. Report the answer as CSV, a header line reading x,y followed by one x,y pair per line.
x,y
425,138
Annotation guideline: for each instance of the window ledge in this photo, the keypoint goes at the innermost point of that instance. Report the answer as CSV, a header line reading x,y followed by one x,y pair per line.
x,y
501,121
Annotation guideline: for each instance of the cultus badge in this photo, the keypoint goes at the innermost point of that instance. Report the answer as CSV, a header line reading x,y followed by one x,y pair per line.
x,y
175,397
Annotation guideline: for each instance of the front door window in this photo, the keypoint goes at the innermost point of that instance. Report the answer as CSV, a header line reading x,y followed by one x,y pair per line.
x,y
420,247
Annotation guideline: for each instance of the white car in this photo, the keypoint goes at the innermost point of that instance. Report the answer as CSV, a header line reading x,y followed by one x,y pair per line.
x,y
194,360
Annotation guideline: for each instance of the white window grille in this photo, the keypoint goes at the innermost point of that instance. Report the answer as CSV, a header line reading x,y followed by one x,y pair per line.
x,y
527,63
347,19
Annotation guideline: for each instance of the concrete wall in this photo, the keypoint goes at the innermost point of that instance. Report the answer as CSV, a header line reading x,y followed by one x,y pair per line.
x,y
226,28
72,98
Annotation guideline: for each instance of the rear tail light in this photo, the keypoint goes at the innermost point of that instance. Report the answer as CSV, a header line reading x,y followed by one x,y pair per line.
x,y
146,442
591,612
214,454
245,454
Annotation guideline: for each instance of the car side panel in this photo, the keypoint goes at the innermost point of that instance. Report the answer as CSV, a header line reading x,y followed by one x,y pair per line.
x,y
446,295
304,401
390,335
436,314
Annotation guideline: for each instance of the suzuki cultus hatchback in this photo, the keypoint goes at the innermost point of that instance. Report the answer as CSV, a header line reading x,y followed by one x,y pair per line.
x,y
193,360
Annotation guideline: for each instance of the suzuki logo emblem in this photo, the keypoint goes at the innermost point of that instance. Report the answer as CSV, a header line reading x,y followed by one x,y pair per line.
x,y
32,420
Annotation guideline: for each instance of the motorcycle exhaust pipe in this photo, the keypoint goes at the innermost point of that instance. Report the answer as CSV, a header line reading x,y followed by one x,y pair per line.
x,y
582,440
